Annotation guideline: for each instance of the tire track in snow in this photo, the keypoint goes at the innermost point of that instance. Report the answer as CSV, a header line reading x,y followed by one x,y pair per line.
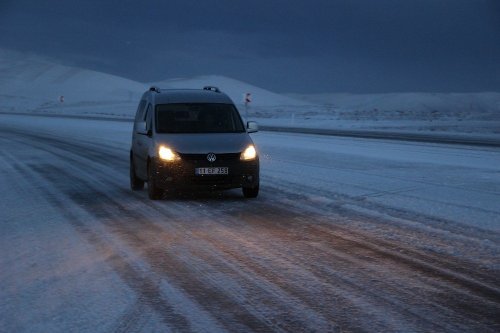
x,y
89,195
146,289
341,203
310,264
130,228
269,218
81,197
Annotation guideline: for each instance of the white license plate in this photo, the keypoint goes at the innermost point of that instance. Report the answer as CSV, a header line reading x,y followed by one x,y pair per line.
x,y
212,171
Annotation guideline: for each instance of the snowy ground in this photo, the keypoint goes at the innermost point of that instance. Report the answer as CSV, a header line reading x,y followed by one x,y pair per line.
x,y
32,84
347,235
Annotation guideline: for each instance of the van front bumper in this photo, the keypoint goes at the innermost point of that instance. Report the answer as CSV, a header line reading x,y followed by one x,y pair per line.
x,y
182,175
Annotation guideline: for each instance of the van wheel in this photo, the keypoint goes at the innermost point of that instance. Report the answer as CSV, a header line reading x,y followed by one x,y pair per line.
x,y
136,184
251,192
154,192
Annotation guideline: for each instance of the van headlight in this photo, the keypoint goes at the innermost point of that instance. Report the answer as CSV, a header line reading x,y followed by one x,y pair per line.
x,y
167,154
248,154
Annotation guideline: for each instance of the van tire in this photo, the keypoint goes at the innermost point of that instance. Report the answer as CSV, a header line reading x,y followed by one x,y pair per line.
x,y
251,192
154,192
136,184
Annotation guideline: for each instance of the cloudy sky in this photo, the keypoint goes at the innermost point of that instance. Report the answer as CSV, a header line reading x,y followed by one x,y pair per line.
x,y
308,46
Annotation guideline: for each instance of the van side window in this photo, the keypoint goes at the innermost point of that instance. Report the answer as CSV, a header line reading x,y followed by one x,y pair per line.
x,y
148,118
140,111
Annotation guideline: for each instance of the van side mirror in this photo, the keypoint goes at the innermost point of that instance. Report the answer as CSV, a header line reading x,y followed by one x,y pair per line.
x,y
252,127
142,128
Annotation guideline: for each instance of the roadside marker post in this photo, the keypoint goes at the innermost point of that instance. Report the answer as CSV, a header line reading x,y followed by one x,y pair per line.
x,y
248,100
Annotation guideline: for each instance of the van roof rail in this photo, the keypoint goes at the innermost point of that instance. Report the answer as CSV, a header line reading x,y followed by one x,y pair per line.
x,y
212,88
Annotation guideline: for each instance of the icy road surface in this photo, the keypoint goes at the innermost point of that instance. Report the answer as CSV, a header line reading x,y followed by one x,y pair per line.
x,y
347,235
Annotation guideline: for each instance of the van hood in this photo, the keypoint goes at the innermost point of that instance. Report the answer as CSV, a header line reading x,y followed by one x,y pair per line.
x,y
204,143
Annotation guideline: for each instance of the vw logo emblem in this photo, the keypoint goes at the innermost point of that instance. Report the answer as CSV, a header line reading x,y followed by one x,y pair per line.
x,y
211,157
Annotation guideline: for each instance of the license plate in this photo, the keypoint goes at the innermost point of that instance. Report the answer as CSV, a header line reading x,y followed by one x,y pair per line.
x,y
212,171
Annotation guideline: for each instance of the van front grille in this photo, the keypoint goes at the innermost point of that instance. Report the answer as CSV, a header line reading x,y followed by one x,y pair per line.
x,y
203,157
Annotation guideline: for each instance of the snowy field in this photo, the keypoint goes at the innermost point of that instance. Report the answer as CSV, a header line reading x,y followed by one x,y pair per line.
x,y
346,235
32,84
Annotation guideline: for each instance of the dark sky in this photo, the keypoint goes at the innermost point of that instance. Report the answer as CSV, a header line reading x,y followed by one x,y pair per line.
x,y
308,46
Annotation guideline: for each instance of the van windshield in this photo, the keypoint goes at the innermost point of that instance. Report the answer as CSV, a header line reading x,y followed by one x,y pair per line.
x,y
198,118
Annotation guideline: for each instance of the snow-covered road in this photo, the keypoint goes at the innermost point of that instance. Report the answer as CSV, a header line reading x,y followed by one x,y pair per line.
x,y
346,235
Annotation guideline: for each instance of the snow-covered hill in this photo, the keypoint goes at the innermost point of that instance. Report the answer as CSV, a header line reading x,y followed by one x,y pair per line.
x,y
31,83
235,89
